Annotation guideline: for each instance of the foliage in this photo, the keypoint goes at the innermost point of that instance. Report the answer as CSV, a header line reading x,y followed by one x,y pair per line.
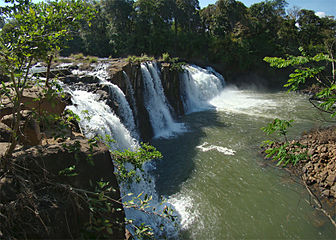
x,y
307,70
279,127
79,56
226,32
174,63
69,171
127,173
315,69
34,32
283,153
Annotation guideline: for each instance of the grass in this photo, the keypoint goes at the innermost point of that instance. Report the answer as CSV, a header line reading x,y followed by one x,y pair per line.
x,y
137,59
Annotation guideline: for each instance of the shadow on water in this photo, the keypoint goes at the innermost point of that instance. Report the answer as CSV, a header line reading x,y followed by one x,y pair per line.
x,y
182,165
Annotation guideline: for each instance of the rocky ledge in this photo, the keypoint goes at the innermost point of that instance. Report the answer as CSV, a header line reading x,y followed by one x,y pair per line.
x,y
50,187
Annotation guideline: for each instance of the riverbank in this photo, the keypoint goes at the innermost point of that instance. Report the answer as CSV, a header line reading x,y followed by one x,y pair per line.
x,y
318,171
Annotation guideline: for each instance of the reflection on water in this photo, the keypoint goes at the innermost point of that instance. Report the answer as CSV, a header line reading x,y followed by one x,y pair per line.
x,y
235,195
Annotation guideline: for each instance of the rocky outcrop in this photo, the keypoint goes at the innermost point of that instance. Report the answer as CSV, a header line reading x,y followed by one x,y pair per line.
x,y
319,169
39,202
32,99
49,188
33,103
171,85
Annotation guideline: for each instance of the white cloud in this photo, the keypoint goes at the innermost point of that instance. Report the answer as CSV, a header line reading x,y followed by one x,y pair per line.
x,y
320,14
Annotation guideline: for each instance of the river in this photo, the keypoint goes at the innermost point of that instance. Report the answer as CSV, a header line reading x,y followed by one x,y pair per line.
x,y
218,181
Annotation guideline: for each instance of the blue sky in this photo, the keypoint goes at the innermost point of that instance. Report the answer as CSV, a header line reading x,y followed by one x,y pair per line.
x,y
326,6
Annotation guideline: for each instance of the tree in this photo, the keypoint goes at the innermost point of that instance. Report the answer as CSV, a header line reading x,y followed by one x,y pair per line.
x,y
119,27
320,69
187,14
35,33
95,37
229,13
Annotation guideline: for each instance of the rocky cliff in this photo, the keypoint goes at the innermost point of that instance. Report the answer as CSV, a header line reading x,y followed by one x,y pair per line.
x,y
49,189
118,70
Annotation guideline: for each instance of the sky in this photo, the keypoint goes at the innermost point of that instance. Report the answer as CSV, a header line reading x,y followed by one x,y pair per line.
x,y
321,7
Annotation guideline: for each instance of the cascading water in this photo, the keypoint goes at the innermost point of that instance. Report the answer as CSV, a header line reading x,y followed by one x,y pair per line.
x,y
203,89
97,118
124,110
199,86
156,103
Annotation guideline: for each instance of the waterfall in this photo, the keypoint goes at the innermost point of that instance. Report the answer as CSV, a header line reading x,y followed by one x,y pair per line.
x,y
98,119
124,110
156,103
199,86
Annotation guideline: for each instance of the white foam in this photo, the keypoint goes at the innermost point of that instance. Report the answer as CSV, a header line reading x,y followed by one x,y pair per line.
x,y
97,118
199,86
232,98
226,151
185,207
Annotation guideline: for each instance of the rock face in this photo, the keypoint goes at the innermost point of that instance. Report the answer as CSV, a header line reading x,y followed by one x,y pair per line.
x,y
38,202
171,85
134,74
320,169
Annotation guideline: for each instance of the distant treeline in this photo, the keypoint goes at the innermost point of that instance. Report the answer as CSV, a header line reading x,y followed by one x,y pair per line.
x,y
226,32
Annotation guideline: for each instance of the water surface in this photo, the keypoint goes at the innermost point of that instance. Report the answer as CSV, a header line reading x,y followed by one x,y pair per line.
x,y
220,184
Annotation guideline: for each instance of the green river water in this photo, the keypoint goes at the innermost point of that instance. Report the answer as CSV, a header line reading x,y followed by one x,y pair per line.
x,y
240,196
